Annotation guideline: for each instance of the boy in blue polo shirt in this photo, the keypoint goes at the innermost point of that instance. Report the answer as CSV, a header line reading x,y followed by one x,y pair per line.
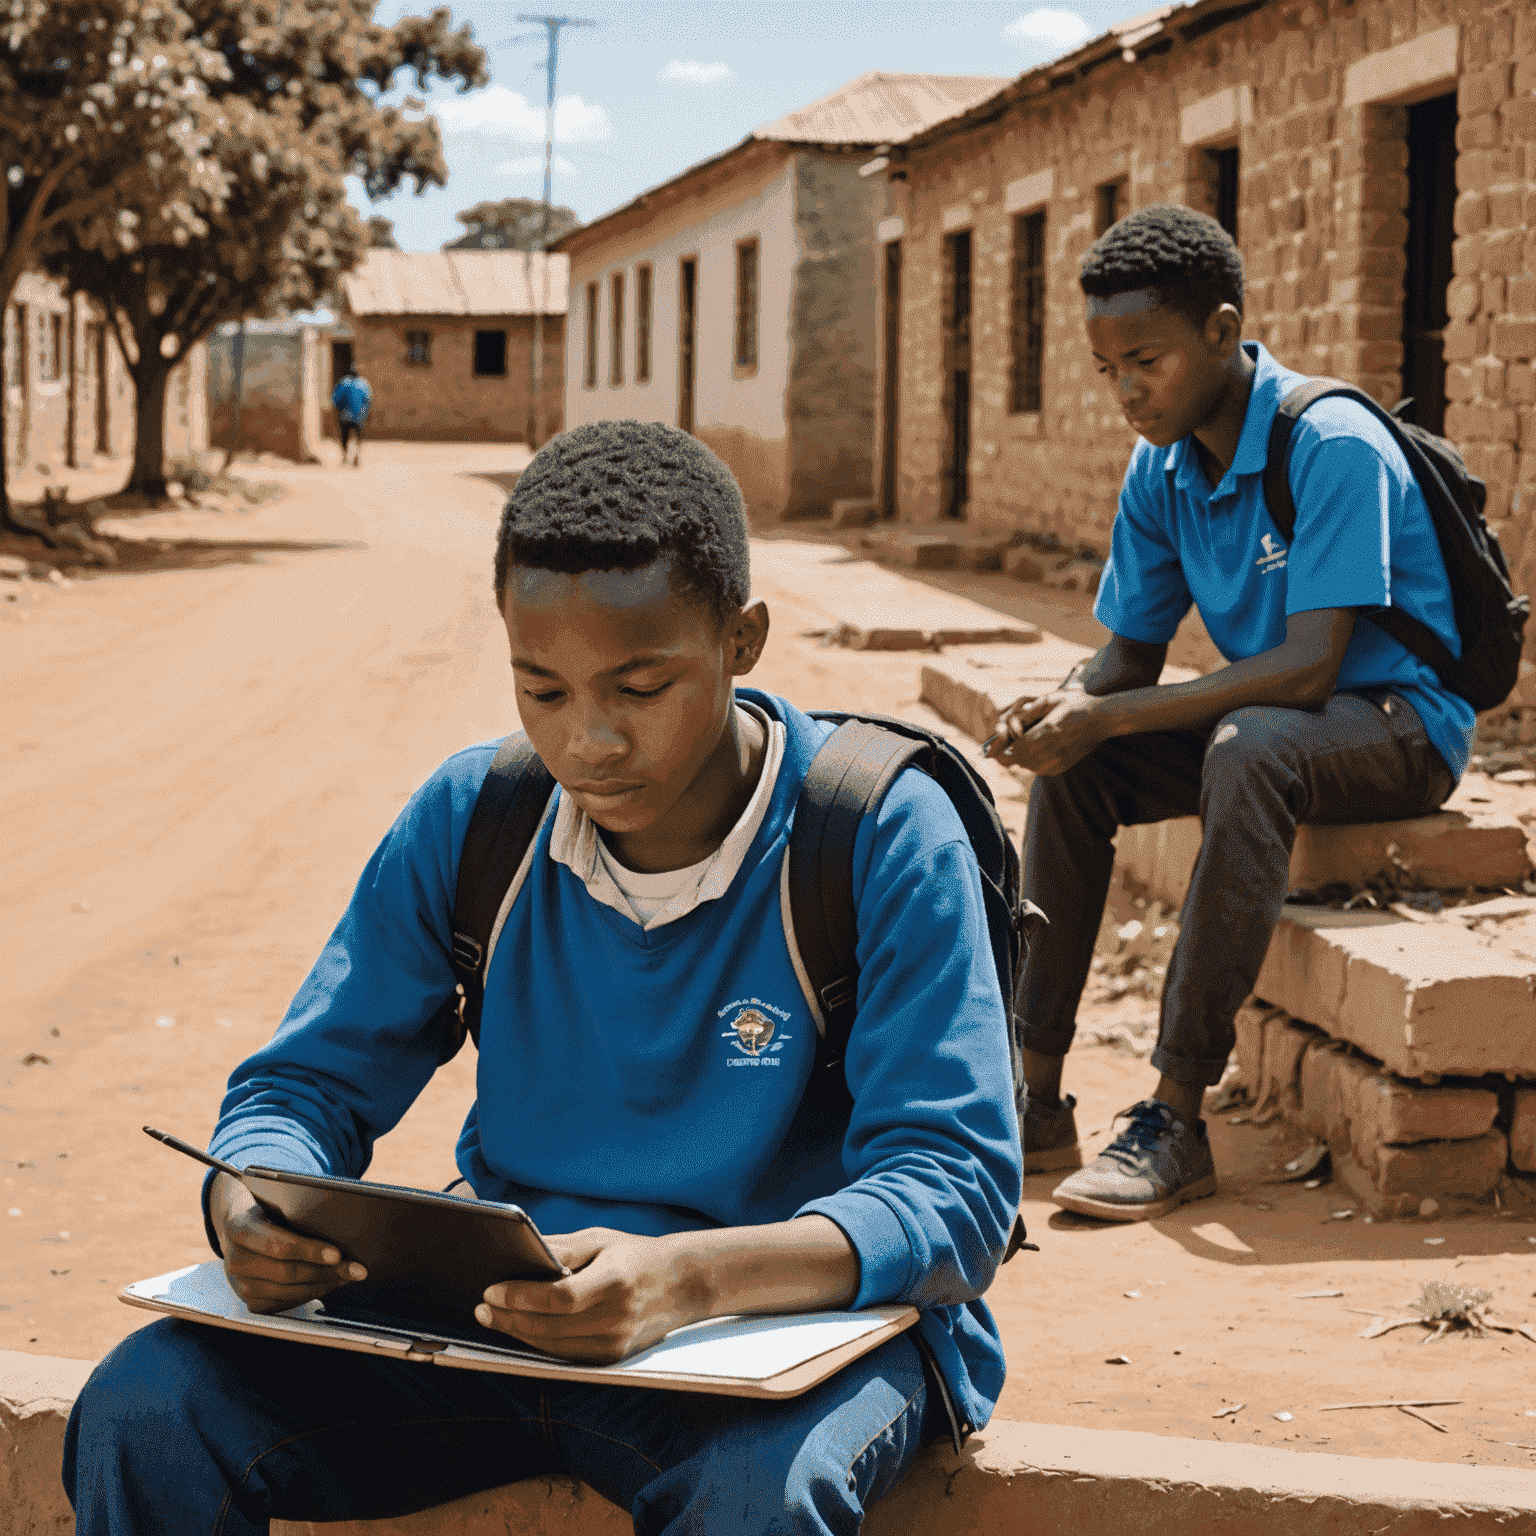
x,y
642,955
1320,716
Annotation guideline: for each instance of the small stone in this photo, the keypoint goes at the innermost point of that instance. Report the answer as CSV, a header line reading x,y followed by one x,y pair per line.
x,y
1109,1360
1515,776
1428,1208
13,566
1285,1418
1434,1242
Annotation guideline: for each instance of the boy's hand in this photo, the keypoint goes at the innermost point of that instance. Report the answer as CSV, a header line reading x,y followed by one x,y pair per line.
x,y
625,1294
270,1268
1049,734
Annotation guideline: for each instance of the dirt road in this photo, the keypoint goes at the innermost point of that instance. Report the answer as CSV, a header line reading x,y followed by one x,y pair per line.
x,y
197,765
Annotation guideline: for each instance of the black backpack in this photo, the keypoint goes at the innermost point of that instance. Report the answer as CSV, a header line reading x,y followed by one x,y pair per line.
x,y
847,780
1490,617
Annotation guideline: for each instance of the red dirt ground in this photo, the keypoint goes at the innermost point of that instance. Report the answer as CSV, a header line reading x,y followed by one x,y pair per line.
x,y
200,761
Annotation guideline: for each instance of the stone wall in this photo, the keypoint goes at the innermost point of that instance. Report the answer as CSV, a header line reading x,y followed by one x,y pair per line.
x,y
445,400
1313,95
279,389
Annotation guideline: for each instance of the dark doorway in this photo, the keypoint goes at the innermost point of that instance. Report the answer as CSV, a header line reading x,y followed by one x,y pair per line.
x,y
1431,231
491,354
889,398
341,360
687,319
957,372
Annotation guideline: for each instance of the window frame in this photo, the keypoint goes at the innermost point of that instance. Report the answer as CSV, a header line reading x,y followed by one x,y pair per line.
x,y
748,306
1111,199
616,329
487,373
1026,329
589,360
643,307
418,348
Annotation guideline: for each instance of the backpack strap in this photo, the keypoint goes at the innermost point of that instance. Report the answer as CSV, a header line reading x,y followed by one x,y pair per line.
x,y
1411,633
507,814
847,779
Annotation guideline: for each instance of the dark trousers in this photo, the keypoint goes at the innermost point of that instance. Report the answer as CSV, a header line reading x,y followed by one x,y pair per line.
x,y
1251,779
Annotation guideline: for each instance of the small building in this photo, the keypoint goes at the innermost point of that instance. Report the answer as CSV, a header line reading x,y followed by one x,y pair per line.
x,y
278,381
1372,159
69,400
445,339
739,300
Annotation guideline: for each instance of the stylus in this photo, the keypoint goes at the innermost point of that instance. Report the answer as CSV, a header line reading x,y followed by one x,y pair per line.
x,y
189,1150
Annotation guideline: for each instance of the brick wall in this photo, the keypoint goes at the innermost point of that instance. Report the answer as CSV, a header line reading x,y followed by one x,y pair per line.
x,y
1312,95
445,400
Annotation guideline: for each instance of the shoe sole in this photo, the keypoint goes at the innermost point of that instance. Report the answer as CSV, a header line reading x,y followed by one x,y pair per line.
x,y
1053,1159
1107,1210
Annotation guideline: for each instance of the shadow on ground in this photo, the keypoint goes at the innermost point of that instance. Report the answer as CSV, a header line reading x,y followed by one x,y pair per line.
x,y
138,556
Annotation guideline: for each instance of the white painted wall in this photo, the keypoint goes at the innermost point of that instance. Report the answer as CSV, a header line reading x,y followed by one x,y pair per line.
x,y
709,228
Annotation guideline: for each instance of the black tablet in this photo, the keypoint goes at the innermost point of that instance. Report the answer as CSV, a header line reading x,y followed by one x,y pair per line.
x,y
425,1253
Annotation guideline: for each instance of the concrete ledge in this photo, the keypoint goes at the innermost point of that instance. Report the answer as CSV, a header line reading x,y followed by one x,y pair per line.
x,y
1014,1480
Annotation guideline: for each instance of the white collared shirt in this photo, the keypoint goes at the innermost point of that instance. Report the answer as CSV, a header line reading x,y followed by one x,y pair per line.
x,y
655,900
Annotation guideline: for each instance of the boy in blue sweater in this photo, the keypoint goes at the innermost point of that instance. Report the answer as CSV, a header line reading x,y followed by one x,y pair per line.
x,y
1321,716
641,957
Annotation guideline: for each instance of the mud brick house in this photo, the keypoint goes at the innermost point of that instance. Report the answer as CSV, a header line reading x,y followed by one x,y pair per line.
x,y
1376,160
281,368
446,341
68,397
740,299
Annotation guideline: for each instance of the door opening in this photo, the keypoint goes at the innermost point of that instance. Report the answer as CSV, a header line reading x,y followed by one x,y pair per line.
x,y
957,373
687,320
889,396
1431,232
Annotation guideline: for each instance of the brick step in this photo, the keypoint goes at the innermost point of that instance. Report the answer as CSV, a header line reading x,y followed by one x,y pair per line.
x,y
946,546
1448,850
870,609
1394,1143
1426,999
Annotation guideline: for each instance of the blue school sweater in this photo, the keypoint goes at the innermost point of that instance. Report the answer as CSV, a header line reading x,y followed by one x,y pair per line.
x,y
624,1079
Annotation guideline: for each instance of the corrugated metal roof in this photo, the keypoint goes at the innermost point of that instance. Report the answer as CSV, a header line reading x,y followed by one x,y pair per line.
x,y
881,109
457,283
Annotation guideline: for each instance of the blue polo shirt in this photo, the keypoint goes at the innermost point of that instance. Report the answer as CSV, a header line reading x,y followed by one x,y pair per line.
x,y
1363,539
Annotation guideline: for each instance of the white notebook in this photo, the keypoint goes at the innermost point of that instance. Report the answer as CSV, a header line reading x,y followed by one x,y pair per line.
x,y
778,1356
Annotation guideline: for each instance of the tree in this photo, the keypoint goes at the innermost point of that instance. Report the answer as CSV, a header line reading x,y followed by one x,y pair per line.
x,y
510,224
381,234
295,111
100,111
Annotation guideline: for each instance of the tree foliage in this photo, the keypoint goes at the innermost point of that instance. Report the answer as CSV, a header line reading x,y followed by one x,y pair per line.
x,y
510,224
101,106
291,109
381,233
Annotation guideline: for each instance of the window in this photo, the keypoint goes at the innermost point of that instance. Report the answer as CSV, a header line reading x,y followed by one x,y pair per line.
x,y
418,349
643,324
16,348
616,329
746,304
53,353
1111,203
1224,166
491,354
1028,295
589,372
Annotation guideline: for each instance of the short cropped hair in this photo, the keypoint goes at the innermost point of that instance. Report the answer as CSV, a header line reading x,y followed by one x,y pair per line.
x,y
1186,258
616,495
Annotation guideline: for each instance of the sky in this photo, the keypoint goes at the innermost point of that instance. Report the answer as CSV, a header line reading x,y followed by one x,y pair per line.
x,y
654,88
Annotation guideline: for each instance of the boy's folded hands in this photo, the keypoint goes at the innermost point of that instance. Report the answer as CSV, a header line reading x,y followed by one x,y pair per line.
x,y
1049,734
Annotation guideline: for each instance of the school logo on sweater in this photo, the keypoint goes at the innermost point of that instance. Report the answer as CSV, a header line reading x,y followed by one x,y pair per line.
x,y
756,1038
1273,558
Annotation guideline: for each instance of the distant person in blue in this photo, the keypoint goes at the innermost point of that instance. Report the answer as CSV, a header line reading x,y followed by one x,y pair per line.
x,y
352,398
642,958
1320,716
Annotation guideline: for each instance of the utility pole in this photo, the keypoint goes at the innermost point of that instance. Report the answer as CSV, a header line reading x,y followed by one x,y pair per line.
x,y
552,26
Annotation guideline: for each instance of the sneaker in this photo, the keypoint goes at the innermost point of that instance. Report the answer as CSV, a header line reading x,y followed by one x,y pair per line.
x,y
1152,1167
1049,1133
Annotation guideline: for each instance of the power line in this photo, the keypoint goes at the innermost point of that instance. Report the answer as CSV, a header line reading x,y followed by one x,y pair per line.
x,y
552,27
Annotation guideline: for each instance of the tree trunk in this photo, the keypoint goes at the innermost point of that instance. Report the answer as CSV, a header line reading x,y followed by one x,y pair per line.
x,y
150,376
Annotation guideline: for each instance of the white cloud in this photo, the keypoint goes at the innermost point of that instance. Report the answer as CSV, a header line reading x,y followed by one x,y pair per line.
x,y
1048,24
694,72
527,165
499,113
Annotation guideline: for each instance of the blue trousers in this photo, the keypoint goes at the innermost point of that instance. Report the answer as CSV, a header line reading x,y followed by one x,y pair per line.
x,y
193,1429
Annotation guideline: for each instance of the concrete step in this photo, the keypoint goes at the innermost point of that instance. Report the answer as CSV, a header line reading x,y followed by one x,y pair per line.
x,y
946,546
1448,850
870,609
1425,999
1013,1479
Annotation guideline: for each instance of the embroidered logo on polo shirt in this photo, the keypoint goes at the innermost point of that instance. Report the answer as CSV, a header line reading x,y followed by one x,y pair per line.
x,y
756,1033
1273,558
